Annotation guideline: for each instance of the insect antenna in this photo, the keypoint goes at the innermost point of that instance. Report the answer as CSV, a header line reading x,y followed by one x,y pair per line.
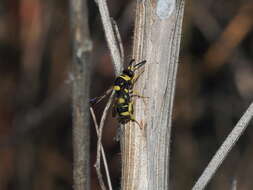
x,y
138,65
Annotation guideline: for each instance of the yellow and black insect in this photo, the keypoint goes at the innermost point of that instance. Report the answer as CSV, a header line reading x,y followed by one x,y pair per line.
x,y
123,109
123,87
126,80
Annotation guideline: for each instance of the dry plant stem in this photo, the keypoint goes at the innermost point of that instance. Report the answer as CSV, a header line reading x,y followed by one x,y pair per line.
x,y
117,62
98,169
100,132
81,84
119,40
109,34
224,149
145,153
103,155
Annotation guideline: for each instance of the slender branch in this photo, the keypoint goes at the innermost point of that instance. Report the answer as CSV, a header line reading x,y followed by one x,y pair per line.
x,y
110,36
224,149
101,125
119,40
103,156
81,83
99,134
97,166
117,58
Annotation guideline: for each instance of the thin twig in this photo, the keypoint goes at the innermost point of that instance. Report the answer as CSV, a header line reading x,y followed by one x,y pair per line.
x,y
224,149
119,40
117,54
103,153
118,66
97,166
109,34
100,131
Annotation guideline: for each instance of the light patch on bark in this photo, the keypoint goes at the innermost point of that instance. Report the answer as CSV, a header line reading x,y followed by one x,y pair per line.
x,y
165,8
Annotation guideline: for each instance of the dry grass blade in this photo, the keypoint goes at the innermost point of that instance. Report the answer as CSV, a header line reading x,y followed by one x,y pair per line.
x,y
117,58
224,149
100,132
119,40
109,34
103,156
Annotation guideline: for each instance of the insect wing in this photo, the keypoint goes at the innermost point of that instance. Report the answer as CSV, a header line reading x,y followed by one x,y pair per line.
x,y
114,108
98,99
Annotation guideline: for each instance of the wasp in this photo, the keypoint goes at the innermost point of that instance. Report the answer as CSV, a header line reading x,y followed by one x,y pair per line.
x,y
126,80
123,109
123,87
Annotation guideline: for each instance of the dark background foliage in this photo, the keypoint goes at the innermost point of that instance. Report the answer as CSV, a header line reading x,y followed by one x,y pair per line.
x,y
214,88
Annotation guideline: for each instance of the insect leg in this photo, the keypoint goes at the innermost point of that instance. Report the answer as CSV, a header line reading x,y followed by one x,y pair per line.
x,y
136,94
131,111
136,77
134,120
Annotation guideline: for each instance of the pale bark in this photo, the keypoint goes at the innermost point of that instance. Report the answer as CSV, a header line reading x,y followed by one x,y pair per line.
x,y
146,151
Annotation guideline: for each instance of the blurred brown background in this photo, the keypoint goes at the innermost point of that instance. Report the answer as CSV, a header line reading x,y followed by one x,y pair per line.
x,y
214,88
